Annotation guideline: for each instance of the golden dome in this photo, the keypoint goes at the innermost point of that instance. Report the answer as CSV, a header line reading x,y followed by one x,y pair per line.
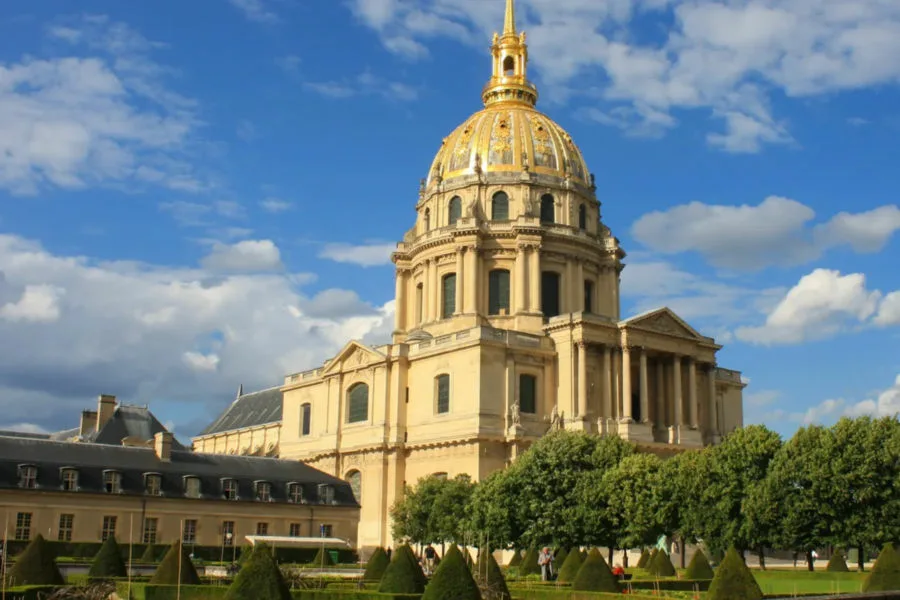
x,y
509,135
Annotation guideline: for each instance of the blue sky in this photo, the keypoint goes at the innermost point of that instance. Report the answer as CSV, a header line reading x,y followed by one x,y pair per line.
x,y
198,195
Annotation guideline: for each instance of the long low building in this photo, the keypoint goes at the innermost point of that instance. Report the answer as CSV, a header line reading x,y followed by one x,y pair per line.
x,y
121,473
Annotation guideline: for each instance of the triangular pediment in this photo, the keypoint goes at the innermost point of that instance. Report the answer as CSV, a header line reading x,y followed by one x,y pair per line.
x,y
663,320
353,356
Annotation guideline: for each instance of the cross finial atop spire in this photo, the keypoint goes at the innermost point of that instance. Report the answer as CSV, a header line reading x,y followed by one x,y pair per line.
x,y
509,24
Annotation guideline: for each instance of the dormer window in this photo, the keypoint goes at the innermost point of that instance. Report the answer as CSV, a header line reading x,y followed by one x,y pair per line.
x,y
153,484
192,487
230,489
326,494
28,476
263,491
112,482
295,493
70,480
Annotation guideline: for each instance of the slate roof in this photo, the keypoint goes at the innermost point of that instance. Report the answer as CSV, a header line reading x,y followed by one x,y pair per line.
x,y
91,460
248,410
129,421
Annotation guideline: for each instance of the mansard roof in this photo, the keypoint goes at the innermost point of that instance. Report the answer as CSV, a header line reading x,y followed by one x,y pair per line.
x,y
248,410
136,422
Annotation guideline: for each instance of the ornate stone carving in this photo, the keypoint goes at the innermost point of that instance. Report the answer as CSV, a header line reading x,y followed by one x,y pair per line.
x,y
515,417
664,323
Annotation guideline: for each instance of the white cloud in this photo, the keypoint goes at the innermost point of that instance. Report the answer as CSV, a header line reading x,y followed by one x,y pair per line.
x,y
78,121
244,256
198,214
886,403
38,304
275,205
365,255
774,232
149,333
24,428
822,304
889,311
255,10
729,59
364,84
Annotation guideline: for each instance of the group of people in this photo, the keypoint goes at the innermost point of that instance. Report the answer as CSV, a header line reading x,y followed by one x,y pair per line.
x,y
548,572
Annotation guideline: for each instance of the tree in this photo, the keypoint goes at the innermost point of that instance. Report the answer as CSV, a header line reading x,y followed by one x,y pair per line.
x,y
595,576
403,575
493,513
733,580
108,562
176,562
885,575
258,579
699,567
490,578
377,565
36,565
452,580
683,479
450,512
631,492
435,511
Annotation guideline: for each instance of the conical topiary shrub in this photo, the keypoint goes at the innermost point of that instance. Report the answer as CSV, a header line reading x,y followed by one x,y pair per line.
x,y
322,559
837,564
467,556
149,554
516,559
530,564
36,565
174,562
699,567
733,580
561,555
569,568
245,554
583,555
644,559
403,575
259,578
452,580
108,562
661,565
595,576
377,565
490,578
885,575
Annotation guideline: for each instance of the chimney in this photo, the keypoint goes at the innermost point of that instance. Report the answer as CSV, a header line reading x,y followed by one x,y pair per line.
x,y
88,422
162,445
106,406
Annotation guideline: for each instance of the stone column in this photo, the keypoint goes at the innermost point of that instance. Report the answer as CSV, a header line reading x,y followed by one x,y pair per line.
x,y
607,382
568,302
521,299
578,288
692,392
662,414
626,384
471,286
711,399
676,383
581,409
400,293
534,279
460,280
645,396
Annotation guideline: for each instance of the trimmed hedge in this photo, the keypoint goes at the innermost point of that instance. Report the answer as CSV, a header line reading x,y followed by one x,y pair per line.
x,y
561,555
837,564
516,559
109,562
885,575
569,568
661,565
452,580
530,564
490,578
595,576
30,592
403,575
149,555
176,562
733,580
377,565
322,559
259,579
643,560
699,567
36,566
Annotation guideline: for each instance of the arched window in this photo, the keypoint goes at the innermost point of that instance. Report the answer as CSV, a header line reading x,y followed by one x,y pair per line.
x,y
427,219
500,207
548,209
498,292
305,414
354,478
358,403
420,299
442,391
528,394
582,217
448,293
550,293
509,66
454,210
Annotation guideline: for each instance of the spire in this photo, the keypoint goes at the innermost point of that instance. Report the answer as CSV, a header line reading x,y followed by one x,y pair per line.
x,y
509,24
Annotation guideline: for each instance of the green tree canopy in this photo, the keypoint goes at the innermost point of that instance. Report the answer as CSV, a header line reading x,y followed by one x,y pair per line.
x,y
635,505
435,511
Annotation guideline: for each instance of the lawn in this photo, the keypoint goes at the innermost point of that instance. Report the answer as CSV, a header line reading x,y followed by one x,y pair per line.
x,y
789,581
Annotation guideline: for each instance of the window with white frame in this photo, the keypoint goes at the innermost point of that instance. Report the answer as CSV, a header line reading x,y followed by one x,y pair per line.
x,y
153,484
151,526
192,487
263,491
23,526
28,476
295,493
66,522
189,532
109,527
112,482
230,489
70,480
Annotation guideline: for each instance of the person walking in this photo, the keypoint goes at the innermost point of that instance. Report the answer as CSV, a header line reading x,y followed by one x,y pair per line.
x,y
430,555
545,561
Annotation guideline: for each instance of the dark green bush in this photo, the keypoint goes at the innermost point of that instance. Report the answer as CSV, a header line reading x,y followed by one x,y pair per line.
x,y
569,568
490,578
176,562
699,567
36,565
149,555
322,559
595,576
259,578
529,564
885,575
561,555
583,555
644,559
733,580
377,565
837,564
661,565
452,580
403,575
108,562
245,554
516,559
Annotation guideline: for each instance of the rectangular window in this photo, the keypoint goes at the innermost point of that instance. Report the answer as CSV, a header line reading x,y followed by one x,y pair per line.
x,y
192,487
528,394
70,480
65,527
326,531
228,533
588,296
550,293
153,485
295,530
326,494
305,414
448,306
262,529
263,491
229,489
420,299
498,292
28,477
23,526
443,394
189,532
109,528
151,525
295,493
112,482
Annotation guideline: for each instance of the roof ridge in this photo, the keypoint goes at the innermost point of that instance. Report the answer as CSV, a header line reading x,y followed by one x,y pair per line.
x,y
269,389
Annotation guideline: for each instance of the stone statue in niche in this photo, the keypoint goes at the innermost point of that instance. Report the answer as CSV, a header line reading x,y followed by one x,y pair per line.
x,y
421,186
526,166
554,418
515,417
